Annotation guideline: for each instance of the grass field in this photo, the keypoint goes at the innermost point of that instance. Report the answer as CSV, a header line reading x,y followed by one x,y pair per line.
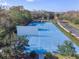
x,y
64,57
74,25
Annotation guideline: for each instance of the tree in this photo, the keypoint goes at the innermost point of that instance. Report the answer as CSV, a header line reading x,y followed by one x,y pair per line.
x,y
8,21
20,45
6,52
19,15
67,49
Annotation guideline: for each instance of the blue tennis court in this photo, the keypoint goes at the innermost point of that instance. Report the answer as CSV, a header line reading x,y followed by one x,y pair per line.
x,y
43,36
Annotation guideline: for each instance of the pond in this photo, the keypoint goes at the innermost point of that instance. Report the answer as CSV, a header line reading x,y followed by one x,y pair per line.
x,y
43,35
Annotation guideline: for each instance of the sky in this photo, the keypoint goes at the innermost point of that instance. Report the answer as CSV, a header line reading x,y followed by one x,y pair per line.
x,y
49,5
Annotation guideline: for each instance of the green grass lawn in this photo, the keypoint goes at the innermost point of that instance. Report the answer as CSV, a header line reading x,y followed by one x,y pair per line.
x,y
74,25
63,57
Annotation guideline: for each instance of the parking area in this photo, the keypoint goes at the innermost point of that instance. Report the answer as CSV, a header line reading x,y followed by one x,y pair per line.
x,y
71,29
